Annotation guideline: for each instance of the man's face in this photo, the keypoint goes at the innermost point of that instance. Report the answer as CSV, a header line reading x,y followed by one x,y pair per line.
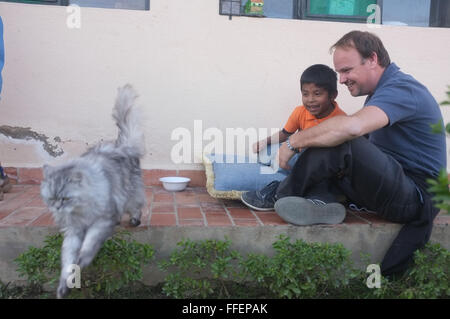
x,y
353,71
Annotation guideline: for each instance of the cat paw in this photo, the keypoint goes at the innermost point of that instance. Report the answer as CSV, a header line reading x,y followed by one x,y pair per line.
x,y
84,261
62,291
135,222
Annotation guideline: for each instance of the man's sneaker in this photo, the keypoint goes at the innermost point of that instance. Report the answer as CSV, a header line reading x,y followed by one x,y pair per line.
x,y
262,200
301,211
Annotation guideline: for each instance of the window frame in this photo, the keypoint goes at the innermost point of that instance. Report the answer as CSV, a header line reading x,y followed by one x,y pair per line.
x,y
241,10
439,14
230,14
67,3
44,2
299,12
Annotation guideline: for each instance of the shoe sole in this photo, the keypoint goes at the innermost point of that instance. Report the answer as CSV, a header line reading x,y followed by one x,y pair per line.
x,y
254,207
300,211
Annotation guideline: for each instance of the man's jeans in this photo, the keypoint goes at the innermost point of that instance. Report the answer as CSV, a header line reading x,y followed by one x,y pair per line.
x,y
372,179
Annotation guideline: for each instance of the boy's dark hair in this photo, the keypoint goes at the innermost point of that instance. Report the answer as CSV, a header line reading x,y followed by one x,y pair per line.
x,y
322,76
366,44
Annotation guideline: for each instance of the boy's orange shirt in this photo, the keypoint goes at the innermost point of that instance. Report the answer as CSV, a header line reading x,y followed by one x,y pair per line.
x,y
301,119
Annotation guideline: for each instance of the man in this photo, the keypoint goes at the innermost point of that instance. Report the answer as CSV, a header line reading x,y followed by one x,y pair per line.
x,y
385,172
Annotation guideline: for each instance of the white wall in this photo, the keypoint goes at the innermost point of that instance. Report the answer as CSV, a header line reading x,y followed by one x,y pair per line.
x,y
186,61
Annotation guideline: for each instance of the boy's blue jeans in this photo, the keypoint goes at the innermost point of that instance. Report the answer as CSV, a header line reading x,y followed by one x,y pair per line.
x,y
372,179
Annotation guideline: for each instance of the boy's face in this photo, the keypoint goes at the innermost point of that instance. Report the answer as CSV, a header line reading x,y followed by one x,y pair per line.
x,y
316,100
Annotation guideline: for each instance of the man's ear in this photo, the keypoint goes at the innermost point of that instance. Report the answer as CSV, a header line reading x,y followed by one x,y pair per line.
x,y
373,59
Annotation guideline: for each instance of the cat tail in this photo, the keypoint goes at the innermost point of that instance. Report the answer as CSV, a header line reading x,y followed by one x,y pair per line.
x,y
127,120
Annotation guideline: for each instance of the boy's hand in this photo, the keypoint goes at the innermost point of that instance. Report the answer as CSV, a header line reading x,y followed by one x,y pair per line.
x,y
259,146
284,155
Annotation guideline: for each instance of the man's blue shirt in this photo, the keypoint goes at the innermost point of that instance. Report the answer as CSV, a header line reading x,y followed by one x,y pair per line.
x,y
411,110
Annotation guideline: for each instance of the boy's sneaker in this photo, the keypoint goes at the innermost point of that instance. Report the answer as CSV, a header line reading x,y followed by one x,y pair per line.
x,y
262,200
301,211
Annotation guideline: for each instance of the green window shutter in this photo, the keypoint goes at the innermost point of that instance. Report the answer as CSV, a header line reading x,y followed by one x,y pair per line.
x,y
357,8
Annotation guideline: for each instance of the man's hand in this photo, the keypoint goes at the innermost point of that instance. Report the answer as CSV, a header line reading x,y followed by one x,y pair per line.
x,y
284,155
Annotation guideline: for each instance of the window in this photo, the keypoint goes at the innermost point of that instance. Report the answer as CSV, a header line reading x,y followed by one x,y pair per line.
x,y
115,4
268,8
230,7
423,13
284,9
339,10
335,10
410,12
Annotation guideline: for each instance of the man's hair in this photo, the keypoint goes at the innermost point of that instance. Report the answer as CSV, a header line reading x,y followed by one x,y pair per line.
x,y
366,44
322,76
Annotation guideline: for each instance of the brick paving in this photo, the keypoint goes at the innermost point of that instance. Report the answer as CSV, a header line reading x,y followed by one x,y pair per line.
x,y
23,206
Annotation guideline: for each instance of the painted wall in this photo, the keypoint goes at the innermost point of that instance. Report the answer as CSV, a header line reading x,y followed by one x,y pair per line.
x,y
186,61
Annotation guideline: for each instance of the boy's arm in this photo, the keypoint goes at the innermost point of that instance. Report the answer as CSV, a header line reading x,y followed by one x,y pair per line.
x,y
279,137
283,135
335,131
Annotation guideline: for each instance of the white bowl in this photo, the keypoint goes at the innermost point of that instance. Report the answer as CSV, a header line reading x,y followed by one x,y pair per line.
x,y
175,183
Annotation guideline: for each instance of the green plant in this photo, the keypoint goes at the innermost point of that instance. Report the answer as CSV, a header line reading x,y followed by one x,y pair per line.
x,y
11,291
200,269
428,277
440,186
210,269
5,291
118,264
302,270
41,265
437,128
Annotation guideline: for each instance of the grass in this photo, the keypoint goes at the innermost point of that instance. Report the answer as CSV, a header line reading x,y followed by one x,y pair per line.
x,y
135,291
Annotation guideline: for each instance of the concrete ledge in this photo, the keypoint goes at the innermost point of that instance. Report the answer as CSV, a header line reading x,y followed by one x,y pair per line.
x,y
359,238
192,214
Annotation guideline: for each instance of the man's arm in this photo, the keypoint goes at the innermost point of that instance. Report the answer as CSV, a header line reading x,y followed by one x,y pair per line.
x,y
335,131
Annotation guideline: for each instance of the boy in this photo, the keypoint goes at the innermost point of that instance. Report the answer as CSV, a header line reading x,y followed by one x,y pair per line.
x,y
318,85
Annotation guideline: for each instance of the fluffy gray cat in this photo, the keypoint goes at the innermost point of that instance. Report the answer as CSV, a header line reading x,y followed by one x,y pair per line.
x,y
88,195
